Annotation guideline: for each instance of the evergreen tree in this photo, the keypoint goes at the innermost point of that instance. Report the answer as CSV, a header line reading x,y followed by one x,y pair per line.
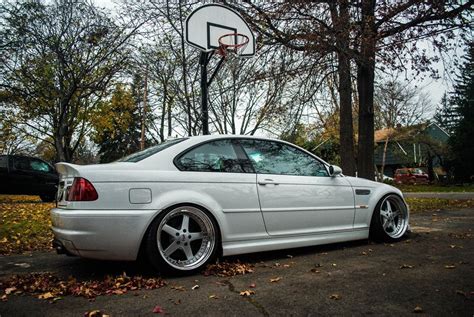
x,y
462,139
117,126
446,115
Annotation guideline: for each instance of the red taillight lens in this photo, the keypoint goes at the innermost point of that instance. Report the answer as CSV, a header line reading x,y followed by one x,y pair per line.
x,y
82,190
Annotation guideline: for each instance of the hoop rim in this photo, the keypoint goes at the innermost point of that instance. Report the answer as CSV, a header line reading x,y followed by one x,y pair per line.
x,y
223,47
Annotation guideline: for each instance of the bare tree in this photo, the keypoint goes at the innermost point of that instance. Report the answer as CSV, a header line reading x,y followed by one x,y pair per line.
x,y
62,59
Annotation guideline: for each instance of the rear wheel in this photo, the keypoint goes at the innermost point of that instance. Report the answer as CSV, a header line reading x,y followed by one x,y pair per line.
x,y
182,240
390,219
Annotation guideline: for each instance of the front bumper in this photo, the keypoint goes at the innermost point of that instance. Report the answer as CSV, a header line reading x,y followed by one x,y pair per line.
x,y
101,234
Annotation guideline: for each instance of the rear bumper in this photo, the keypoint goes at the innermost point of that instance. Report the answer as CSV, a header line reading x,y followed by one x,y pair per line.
x,y
101,234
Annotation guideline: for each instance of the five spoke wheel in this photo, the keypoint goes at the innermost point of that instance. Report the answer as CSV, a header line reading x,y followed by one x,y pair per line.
x,y
390,220
185,238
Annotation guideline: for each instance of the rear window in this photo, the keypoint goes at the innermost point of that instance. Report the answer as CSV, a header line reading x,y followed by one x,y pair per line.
x,y
138,156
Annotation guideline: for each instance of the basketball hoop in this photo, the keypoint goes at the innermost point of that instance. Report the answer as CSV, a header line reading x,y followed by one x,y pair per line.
x,y
232,42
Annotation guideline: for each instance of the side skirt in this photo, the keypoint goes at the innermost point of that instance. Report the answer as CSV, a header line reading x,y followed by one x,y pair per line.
x,y
268,244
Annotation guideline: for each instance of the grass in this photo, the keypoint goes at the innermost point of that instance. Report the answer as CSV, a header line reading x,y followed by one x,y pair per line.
x,y
25,222
418,205
435,188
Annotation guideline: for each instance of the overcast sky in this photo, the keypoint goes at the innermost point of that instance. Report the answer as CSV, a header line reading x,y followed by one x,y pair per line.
x,y
434,88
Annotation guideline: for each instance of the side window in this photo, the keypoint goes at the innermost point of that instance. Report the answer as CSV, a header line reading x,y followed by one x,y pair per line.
x,y
22,163
3,162
39,166
277,158
216,156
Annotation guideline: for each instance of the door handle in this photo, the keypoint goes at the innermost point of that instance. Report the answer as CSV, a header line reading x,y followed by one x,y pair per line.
x,y
267,181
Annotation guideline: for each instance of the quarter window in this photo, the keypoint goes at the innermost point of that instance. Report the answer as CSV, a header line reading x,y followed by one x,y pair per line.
x,y
277,158
216,156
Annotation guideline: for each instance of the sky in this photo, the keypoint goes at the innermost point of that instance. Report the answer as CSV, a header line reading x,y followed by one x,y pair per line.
x,y
435,88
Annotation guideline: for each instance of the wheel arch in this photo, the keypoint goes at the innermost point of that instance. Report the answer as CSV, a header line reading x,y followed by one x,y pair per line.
x,y
379,195
176,199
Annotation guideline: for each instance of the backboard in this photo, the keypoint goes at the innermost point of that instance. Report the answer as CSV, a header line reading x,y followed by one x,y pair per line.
x,y
206,24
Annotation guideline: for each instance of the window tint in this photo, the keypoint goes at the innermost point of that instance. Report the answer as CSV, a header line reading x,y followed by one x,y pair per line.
x,y
277,158
22,163
40,166
138,156
4,161
216,156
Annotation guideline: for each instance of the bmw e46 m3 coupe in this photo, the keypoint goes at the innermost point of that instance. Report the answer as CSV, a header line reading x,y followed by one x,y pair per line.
x,y
185,201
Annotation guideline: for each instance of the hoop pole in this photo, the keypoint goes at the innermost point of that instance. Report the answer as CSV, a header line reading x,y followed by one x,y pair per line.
x,y
218,66
203,61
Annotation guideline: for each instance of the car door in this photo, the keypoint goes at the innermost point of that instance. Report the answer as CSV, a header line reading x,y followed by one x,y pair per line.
x,y
219,169
22,176
45,178
296,193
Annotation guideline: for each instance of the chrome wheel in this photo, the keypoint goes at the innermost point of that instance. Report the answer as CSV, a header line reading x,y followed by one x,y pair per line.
x,y
186,238
393,217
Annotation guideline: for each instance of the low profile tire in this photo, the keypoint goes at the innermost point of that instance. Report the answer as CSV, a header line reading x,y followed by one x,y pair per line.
x,y
182,240
390,219
47,198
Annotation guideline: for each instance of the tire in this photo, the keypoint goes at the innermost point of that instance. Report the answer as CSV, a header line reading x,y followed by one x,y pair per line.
x,y
47,198
182,240
389,220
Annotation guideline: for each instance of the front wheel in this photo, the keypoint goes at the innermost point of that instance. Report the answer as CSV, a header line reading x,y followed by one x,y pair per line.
x,y
182,240
390,219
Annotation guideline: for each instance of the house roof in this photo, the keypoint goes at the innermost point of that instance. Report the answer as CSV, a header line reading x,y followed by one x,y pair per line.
x,y
404,133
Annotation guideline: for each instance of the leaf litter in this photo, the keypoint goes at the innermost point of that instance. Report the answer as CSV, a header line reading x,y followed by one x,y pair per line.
x,y
50,287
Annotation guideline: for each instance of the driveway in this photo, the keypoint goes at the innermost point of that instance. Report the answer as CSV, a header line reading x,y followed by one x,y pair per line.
x,y
431,271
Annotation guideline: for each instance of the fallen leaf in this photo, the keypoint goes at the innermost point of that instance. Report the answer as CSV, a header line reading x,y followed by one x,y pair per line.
x,y
246,293
449,266
213,296
46,295
4,298
418,310
158,310
253,285
459,292
364,253
177,302
286,265
335,297
10,290
178,288
314,270
275,280
334,264
406,266
95,313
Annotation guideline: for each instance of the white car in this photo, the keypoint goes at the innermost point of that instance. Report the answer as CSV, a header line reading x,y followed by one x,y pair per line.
x,y
187,200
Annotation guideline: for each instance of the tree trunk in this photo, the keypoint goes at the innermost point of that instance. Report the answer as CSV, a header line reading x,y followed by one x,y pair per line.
x,y
365,87
340,19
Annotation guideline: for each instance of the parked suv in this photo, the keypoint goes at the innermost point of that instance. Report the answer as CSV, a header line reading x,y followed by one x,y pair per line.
x,y
411,176
24,175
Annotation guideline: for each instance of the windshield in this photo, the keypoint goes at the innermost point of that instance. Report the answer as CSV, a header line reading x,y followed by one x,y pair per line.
x,y
138,156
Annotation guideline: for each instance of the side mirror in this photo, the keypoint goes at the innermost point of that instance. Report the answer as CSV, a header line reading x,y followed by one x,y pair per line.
x,y
334,170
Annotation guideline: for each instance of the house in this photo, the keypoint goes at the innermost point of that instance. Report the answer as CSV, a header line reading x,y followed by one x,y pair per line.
x,y
422,145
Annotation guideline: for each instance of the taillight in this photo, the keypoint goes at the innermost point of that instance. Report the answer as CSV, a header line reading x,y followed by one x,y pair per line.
x,y
82,190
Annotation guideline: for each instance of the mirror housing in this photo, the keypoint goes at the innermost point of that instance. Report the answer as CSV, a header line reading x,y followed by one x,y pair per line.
x,y
334,170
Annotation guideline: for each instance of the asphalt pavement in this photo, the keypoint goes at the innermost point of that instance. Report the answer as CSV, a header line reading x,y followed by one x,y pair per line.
x,y
431,272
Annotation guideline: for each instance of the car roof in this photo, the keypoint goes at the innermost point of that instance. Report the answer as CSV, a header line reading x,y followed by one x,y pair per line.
x,y
167,156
